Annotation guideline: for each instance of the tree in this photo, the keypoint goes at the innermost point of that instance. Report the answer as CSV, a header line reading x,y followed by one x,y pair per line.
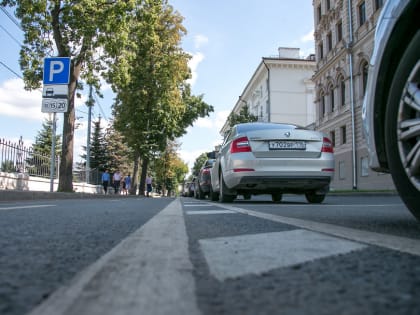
x,y
199,161
75,29
39,160
43,141
154,104
169,169
98,149
119,155
244,116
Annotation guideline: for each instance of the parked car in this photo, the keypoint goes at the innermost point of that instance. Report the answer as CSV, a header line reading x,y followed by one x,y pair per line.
x,y
391,108
270,158
203,182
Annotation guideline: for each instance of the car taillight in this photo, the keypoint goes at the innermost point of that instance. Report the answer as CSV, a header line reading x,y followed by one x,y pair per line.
x,y
240,145
206,171
327,146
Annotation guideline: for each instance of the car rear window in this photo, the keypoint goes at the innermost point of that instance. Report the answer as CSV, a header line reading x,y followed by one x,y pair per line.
x,y
241,128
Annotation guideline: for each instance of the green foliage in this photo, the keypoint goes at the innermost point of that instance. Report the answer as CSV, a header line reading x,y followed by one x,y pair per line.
x,y
199,163
154,104
43,141
169,169
87,31
8,166
244,116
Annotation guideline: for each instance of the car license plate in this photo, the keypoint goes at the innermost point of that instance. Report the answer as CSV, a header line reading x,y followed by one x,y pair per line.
x,y
287,145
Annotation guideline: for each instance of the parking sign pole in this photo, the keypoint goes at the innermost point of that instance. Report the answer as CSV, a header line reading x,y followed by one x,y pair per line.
x,y
52,164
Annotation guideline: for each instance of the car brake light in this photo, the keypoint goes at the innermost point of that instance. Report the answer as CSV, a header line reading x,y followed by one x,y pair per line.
x,y
240,145
327,146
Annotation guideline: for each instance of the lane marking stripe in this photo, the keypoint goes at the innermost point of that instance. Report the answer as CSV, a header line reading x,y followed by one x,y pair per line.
x,y
211,212
26,207
235,256
149,272
398,243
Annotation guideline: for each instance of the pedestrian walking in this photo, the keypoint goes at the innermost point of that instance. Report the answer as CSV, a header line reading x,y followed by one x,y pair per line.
x,y
148,185
117,181
105,181
127,181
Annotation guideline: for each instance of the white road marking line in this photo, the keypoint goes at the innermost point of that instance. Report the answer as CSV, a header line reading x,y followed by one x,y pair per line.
x,y
398,243
149,272
211,212
230,257
198,205
26,207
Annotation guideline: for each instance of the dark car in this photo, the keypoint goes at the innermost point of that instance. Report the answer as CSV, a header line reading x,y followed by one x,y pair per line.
x,y
203,182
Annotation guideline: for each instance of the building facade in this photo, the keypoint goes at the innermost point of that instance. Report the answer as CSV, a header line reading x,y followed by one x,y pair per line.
x,y
344,35
280,90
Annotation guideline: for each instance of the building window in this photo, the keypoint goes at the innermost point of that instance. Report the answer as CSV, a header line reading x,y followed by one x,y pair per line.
x,y
319,13
332,136
379,4
332,98
322,104
364,164
328,3
321,51
329,42
362,13
343,135
342,87
364,72
341,170
339,31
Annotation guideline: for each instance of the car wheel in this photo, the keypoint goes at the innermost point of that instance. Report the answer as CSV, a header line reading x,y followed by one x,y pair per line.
x,y
223,196
312,197
402,125
247,197
213,195
201,194
276,197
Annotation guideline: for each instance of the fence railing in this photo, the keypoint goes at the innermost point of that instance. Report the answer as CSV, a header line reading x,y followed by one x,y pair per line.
x,y
15,157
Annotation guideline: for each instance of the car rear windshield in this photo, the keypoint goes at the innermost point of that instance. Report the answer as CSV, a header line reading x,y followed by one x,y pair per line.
x,y
241,128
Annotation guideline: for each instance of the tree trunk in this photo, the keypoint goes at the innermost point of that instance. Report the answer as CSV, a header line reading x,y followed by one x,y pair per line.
x,y
66,163
134,184
144,166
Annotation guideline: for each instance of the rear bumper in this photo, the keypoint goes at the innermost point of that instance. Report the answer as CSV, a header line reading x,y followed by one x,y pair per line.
x,y
286,184
283,184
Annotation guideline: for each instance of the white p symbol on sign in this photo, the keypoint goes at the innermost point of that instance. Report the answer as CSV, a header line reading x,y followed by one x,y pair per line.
x,y
56,67
56,70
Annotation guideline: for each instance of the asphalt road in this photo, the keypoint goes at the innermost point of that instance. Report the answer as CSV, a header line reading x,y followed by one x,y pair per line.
x,y
350,255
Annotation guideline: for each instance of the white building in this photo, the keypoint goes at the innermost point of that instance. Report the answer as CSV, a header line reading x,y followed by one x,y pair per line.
x,y
281,90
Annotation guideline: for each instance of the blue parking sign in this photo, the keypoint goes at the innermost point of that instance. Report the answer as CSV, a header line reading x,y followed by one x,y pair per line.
x,y
56,70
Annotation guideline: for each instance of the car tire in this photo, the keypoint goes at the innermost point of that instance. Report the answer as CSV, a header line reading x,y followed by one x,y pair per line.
x,y
401,122
214,196
223,196
201,194
276,197
312,197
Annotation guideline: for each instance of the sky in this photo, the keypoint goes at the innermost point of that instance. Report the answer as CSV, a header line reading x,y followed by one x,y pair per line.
x,y
226,40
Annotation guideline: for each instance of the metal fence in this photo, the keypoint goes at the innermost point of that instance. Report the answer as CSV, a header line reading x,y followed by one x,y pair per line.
x,y
16,158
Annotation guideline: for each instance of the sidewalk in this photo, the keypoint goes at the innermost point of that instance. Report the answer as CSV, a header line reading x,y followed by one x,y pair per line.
x,y
11,195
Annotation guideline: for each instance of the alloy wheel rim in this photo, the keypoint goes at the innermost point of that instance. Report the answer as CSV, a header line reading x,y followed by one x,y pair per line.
x,y
408,132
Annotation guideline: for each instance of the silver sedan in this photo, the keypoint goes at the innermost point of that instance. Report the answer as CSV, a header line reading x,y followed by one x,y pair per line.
x,y
391,109
269,158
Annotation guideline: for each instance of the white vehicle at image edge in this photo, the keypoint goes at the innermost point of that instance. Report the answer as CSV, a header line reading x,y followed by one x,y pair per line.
x,y
269,158
391,108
